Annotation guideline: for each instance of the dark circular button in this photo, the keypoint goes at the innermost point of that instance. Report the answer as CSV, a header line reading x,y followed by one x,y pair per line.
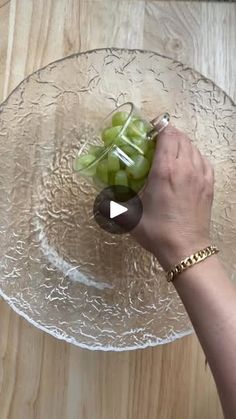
x,y
117,209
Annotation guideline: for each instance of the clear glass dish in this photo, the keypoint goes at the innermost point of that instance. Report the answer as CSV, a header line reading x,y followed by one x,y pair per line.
x,y
58,268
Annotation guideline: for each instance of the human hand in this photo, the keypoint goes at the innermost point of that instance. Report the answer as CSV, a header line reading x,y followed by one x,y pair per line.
x,y
177,200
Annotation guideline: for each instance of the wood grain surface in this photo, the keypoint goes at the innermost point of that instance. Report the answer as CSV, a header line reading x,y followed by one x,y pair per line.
x,y
40,377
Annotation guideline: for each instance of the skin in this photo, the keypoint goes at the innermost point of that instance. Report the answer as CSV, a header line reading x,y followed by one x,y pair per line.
x,y
177,202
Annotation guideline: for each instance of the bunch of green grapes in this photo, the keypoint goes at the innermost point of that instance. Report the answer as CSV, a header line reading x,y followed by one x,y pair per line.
x,y
130,155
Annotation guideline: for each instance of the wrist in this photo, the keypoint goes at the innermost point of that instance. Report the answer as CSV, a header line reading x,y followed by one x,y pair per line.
x,y
171,254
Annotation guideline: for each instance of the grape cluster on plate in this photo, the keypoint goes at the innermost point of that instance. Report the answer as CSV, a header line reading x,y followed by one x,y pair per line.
x,y
124,158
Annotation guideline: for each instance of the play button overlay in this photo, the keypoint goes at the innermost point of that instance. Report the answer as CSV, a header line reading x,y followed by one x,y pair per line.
x,y
117,209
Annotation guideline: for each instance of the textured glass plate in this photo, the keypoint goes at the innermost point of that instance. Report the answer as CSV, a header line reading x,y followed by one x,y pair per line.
x,y
58,269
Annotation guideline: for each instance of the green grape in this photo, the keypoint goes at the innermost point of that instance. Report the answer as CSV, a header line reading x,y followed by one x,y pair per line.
x,y
149,126
137,129
140,144
139,168
119,118
98,183
82,163
133,146
113,162
137,184
96,150
109,135
102,171
111,178
124,158
129,150
150,154
151,144
121,178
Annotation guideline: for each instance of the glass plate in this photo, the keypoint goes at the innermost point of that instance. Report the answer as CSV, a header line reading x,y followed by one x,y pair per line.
x,y
58,269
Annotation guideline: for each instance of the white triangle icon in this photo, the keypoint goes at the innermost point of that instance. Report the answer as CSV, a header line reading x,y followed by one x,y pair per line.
x,y
116,209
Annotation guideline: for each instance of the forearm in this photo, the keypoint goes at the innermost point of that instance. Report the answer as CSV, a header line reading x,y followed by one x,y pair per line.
x,y
177,201
210,300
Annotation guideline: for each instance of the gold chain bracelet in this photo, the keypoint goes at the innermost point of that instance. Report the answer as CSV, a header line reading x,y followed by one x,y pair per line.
x,y
190,261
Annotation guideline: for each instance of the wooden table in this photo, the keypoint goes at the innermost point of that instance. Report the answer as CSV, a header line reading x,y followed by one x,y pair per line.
x,y
40,377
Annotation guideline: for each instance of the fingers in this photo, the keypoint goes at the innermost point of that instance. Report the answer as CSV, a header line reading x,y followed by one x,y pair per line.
x,y
172,144
167,144
185,149
197,160
208,170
